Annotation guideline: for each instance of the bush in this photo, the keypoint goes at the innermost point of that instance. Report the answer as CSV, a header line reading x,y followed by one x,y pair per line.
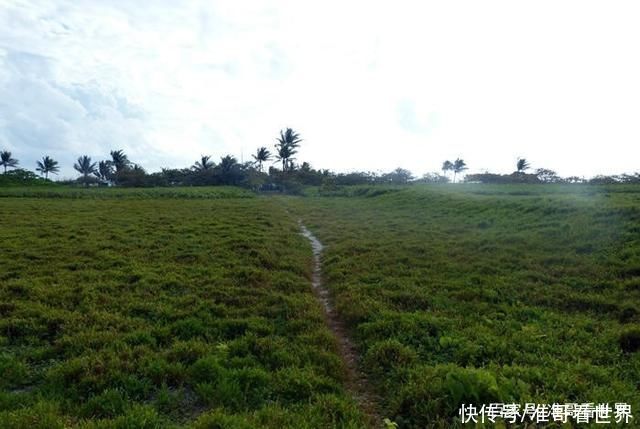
x,y
217,419
433,393
388,356
43,415
110,403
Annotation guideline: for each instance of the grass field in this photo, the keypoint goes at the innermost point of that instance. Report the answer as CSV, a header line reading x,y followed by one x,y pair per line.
x,y
479,294
162,312
192,307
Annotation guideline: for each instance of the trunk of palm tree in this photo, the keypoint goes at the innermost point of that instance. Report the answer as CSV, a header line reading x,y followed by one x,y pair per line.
x,y
46,174
454,176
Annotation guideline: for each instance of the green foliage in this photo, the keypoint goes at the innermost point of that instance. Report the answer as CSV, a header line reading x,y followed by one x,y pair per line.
x,y
19,177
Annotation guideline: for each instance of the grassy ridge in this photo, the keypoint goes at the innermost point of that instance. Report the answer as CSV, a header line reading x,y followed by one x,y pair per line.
x,y
478,294
146,313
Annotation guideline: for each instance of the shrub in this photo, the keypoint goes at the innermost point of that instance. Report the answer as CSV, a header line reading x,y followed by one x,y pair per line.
x,y
12,371
217,419
110,403
140,417
43,415
388,356
433,393
207,369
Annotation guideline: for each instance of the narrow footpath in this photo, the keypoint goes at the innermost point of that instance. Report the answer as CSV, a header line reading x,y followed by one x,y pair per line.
x,y
357,383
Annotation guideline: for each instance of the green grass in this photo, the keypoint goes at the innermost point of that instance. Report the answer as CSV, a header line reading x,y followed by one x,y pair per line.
x,y
162,312
200,192
477,294
191,307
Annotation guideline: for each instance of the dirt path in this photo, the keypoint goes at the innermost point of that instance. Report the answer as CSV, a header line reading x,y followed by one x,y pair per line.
x,y
356,381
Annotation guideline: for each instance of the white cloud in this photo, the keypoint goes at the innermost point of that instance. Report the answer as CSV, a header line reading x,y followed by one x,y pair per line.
x,y
370,85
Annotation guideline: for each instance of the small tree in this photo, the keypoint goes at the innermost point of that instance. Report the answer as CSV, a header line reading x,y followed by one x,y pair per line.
x,y
7,161
458,167
399,176
547,176
47,165
85,167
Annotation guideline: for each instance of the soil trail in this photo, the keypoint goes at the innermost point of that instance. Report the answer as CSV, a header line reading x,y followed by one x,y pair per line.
x,y
356,381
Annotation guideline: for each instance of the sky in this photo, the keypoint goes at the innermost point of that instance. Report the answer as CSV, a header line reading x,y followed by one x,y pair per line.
x,y
369,85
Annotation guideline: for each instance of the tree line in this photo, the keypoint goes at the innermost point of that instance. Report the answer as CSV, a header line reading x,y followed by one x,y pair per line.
x,y
118,170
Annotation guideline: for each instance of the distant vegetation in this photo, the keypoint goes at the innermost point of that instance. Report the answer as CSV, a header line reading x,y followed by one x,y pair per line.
x,y
291,177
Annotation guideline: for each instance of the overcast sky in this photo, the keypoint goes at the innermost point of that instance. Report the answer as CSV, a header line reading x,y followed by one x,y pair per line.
x,y
369,85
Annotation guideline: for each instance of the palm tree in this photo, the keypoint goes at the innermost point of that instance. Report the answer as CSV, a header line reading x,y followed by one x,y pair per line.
x,y
204,164
287,146
522,165
105,171
85,167
227,164
119,160
262,155
458,167
228,171
47,165
447,166
6,160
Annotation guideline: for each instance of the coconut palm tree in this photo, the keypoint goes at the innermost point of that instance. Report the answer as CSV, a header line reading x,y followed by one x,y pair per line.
x,y
119,160
47,165
458,167
85,167
228,163
6,160
287,146
204,164
228,171
262,155
522,165
447,166
104,171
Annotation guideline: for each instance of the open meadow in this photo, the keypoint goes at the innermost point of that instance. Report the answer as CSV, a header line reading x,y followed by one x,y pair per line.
x,y
169,311
193,307
480,294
